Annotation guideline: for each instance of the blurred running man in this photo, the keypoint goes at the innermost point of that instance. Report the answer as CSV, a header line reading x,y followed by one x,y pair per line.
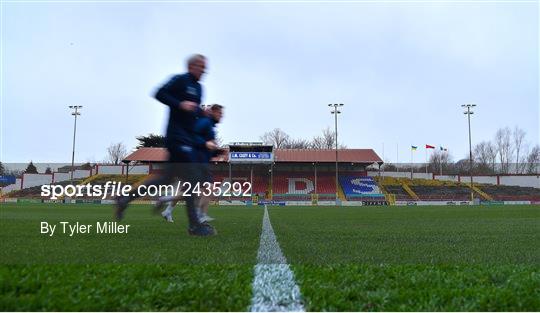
x,y
204,132
182,93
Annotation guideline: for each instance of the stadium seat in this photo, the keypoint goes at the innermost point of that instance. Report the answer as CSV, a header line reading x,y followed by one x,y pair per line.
x,y
359,188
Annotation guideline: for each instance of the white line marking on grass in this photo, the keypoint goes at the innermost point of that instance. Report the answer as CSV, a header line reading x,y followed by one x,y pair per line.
x,y
274,287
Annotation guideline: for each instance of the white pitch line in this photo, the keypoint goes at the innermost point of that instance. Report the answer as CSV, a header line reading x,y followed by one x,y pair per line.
x,y
274,287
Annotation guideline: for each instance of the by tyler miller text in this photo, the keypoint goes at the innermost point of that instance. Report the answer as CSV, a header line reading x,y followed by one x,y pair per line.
x,y
73,229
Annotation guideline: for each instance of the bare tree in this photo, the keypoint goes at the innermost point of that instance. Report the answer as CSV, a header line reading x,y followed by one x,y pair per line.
x,y
518,136
503,144
298,144
481,154
281,140
491,153
276,137
326,141
439,162
484,157
533,160
116,152
317,143
329,138
461,167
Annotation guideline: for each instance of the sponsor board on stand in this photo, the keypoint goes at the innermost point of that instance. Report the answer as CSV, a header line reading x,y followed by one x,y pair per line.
x,y
93,201
150,202
517,202
401,202
453,203
535,202
375,202
271,202
327,202
53,201
298,203
10,200
433,202
352,203
25,200
491,202
231,202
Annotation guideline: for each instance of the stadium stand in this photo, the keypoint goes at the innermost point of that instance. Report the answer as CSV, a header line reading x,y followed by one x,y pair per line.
x,y
101,179
294,183
442,193
406,189
259,184
300,186
512,193
289,175
399,192
326,183
35,192
360,188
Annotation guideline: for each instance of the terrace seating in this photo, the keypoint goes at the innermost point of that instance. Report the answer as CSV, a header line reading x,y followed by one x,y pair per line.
x,y
512,193
426,189
293,183
291,197
399,192
303,183
102,179
360,188
442,193
326,184
259,184
35,192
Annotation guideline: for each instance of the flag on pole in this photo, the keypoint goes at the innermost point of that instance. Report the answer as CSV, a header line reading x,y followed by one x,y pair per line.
x,y
414,147
443,149
430,147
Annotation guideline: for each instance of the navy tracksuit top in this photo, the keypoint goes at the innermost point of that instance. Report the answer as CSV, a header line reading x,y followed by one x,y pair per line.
x,y
181,124
204,131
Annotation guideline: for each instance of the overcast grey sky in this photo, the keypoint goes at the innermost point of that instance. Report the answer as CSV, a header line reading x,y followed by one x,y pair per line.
x,y
402,70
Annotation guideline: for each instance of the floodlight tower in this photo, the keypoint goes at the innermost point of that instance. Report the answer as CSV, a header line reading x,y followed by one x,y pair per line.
x,y
75,113
469,106
335,111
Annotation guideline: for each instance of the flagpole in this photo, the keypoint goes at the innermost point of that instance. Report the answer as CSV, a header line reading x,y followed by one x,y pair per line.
x,y
440,162
411,162
426,159
383,155
397,156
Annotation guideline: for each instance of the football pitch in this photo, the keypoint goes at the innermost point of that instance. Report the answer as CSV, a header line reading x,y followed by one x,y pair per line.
x,y
426,258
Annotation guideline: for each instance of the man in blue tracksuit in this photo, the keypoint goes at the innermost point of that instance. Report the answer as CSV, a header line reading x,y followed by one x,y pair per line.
x,y
204,132
182,94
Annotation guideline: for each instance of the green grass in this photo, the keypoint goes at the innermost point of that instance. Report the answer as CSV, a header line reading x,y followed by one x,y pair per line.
x,y
409,235
126,287
149,240
419,287
414,258
155,266
355,259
